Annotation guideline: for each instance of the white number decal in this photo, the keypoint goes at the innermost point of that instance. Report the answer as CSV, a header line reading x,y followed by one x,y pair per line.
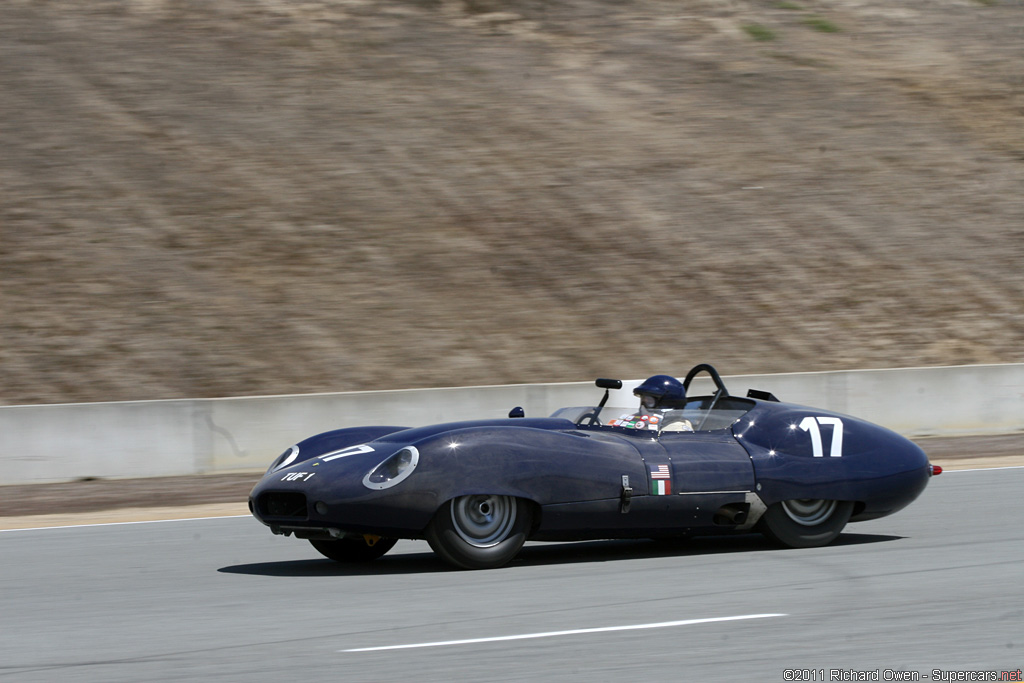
x,y
810,424
837,435
345,452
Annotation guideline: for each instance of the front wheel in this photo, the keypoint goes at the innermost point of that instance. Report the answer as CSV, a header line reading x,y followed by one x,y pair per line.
x,y
805,522
480,531
355,548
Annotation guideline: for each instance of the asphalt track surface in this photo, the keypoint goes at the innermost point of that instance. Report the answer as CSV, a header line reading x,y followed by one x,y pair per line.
x,y
937,586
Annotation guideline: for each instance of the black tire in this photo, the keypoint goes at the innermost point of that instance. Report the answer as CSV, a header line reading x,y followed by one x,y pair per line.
x,y
480,531
805,523
354,548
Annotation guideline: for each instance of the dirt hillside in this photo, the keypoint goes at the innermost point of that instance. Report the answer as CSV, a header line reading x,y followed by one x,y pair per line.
x,y
275,196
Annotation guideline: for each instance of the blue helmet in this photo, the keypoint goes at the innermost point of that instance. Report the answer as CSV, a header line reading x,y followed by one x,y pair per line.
x,y
664,392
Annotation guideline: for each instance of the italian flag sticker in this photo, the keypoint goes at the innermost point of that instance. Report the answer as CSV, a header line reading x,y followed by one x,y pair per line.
x,y
660,487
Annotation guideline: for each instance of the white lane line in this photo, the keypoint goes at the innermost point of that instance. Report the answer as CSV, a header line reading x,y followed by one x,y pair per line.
x,y
146,521
553,634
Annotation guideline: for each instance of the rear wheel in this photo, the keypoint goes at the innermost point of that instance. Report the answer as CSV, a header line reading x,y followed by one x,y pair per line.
x,y
355,548
805,522
480,531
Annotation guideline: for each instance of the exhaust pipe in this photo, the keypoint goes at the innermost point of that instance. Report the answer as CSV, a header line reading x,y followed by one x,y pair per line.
x,y
732,515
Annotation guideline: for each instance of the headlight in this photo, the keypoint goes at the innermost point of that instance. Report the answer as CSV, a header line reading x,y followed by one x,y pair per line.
x,y
283,460
393,470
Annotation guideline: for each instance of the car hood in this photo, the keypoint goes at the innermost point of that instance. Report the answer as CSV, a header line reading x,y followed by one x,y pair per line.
x,y
420,433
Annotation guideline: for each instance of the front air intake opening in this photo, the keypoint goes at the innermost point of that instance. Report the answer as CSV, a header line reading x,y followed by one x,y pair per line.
x,y
283,504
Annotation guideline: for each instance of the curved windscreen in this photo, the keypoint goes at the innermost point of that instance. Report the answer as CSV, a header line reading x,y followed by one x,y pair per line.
x,y
700,414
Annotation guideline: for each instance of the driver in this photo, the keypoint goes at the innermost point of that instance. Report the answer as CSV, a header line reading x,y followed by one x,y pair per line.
x,y
658,395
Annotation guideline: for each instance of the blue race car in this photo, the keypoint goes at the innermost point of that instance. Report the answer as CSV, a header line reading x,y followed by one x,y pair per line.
x,y
676,466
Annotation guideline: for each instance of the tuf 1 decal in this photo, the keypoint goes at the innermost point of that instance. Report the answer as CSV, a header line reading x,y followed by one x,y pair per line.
x,y
345,452
810,424
298,476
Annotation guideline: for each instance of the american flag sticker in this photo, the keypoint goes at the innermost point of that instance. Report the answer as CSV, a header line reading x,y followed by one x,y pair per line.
x,y
660,480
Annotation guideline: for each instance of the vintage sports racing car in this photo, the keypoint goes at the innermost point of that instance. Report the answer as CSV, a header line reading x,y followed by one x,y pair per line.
x,y
677,466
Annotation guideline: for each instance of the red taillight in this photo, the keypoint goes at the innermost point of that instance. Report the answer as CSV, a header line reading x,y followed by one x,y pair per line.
x,y
935,470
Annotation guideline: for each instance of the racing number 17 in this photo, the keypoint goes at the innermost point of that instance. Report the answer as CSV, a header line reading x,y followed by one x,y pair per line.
x,y
810,424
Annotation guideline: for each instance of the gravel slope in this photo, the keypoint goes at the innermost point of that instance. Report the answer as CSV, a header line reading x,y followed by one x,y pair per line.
x,y
269,196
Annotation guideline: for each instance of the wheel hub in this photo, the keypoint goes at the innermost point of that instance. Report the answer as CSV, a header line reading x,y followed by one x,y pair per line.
x,y
483,520
809,511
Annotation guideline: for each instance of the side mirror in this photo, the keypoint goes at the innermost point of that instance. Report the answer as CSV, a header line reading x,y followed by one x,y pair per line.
x,y
607,385
517,412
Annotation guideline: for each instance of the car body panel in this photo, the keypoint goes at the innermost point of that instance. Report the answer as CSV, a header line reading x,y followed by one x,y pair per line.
x,y
874,466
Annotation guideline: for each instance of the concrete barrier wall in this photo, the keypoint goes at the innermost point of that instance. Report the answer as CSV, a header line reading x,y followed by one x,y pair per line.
x,y
158,438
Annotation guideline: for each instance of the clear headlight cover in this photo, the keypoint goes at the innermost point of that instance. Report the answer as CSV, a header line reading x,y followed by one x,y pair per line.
x,y
283,460
393,470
